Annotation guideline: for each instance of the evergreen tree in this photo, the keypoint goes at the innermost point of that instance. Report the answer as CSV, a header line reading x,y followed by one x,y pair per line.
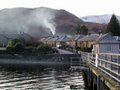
x,y
113,26
78,29
84,30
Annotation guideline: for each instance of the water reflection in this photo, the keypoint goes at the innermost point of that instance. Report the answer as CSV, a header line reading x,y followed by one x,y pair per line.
x,y
48,79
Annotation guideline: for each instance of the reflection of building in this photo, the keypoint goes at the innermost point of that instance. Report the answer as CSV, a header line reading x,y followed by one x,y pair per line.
x,y
107,44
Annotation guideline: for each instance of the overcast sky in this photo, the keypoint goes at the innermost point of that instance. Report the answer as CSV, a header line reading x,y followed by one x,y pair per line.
x,y
77,7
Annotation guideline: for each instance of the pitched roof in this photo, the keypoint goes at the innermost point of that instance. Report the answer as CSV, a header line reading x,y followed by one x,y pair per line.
x,y
77,37
91,37
107,38
63,38
117,38
54,39
47,39
42,39
27,37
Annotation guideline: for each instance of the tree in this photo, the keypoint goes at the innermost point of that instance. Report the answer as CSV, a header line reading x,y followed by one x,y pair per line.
x,y
84,30
43,49
78,29
19,47
113,26
10,47
15,45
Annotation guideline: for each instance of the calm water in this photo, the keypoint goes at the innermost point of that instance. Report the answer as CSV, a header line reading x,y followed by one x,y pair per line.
x,y
48,79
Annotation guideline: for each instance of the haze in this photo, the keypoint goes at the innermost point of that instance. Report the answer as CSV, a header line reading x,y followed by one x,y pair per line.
x,y
77,7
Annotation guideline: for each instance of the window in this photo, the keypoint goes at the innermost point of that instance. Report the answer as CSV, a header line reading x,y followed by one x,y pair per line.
x,y
109,48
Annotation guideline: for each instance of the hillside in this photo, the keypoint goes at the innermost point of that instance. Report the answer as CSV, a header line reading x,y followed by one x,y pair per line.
x,y
103,19
66,22
37,22
42,22
95,27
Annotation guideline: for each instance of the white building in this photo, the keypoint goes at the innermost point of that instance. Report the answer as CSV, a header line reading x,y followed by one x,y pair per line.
x,y
107,44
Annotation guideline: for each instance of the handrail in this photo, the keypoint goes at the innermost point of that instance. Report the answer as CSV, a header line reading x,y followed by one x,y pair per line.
x,y
103,61
115,54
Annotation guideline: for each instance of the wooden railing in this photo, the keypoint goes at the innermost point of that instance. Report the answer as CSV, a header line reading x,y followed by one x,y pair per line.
x,y
108,63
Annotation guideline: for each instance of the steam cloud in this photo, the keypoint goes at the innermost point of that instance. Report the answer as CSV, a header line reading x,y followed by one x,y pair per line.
x,y
46,19
22,19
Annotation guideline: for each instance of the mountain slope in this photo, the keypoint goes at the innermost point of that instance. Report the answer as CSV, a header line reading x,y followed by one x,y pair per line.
x,y
66,22
37,22
98,18
95,27
42,22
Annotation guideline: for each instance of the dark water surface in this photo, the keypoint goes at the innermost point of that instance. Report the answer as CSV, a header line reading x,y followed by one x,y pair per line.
x,y
48,79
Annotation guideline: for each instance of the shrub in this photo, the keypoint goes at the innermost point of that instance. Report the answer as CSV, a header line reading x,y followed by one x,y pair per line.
x,y
43,49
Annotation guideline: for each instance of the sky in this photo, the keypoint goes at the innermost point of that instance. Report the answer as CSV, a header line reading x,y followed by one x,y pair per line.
x,y
77,7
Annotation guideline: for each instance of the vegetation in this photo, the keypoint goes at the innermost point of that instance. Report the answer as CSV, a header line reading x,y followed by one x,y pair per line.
x,y
43,49
113,26
2,50
84,49
78,29
16,45
82,30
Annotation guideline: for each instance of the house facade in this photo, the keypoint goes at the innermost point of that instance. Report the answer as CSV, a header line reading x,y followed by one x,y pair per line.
x,y
107,44
87,42
52,41
62,41
73,41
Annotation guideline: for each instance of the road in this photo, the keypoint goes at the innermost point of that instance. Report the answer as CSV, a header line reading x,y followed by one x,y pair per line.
x,y
64,51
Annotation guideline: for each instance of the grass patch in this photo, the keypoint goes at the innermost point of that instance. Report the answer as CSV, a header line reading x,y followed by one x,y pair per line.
x,y
2,50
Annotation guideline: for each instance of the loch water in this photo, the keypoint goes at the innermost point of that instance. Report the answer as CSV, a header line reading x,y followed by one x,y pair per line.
x,y
47,79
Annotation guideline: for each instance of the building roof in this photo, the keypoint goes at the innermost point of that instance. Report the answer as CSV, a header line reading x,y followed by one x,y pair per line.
x,y
77,37
91,37
63,39
28,38
117,38
47,39
41,40
54,39
107,38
